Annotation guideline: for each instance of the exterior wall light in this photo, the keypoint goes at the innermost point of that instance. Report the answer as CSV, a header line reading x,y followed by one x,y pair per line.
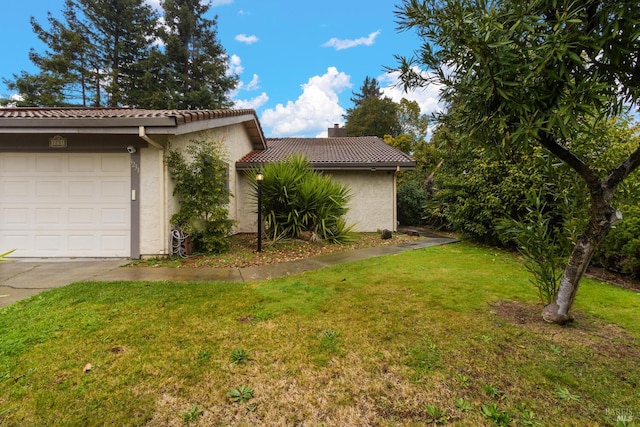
x,y
259,179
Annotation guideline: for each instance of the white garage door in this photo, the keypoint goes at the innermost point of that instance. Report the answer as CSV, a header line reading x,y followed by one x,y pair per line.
x,y
65,204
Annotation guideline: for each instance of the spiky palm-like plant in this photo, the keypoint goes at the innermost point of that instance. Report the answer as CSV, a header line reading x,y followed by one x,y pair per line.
x,y
296,199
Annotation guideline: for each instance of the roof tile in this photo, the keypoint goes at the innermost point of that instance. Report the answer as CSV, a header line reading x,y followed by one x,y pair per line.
x,y
362,152
181,116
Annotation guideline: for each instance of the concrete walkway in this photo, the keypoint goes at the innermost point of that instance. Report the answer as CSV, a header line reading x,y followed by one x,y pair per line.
x,y
26,277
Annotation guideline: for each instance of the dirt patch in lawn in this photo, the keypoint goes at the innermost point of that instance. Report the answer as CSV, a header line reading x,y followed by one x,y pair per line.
x,y
604,338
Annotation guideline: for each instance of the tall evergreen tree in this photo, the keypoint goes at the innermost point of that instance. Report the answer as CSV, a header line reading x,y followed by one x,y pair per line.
x,y
369,89
122,32
62,76
196,74
372,114
104,53
96,56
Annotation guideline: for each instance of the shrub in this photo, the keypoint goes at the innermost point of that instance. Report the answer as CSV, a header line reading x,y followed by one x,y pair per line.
x,y
296,199
620,251
202,187
543,243
412,197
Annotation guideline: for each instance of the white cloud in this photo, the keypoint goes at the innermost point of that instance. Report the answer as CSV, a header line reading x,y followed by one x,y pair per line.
x,y
243,38
254,84
340,44
154,4
235,65
215,3
315,109
428,98
252,103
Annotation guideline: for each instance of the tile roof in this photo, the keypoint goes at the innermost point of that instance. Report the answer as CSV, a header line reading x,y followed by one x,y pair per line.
x,y
367,152
126,121
180,116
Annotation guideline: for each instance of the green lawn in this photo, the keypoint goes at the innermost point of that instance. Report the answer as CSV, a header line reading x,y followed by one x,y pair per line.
x,y
443,335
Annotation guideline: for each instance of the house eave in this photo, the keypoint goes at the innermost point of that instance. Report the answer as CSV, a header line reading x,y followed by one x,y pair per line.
x,y
327,166
170,124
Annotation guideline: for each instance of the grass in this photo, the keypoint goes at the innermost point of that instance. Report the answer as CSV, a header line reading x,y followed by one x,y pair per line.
x,y
447,335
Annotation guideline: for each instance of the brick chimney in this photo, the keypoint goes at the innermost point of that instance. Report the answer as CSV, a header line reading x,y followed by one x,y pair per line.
x,y
336,131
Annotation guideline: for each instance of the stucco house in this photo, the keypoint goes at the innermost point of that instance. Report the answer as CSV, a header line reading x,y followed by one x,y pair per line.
x,y
91,183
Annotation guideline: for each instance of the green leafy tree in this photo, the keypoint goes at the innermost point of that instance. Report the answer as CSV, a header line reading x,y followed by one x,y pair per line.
x,y
412,122
196,75
412,185
373,117
201,182
411,199
372,114
535,73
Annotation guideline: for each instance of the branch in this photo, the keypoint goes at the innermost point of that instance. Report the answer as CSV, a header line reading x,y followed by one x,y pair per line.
x,y
557,149
625,169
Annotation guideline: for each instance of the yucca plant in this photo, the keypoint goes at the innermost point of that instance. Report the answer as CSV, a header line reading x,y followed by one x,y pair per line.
x,y
3,257
296,199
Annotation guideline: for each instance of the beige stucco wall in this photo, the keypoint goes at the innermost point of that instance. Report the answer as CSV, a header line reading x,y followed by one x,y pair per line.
x,y
246,214
156,188
372,207
152,219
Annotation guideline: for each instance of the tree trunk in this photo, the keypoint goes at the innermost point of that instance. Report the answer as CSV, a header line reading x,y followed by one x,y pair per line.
x,y
558,310
603,216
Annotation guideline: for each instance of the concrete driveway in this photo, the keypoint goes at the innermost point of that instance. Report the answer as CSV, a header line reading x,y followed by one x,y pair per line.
x,y
20,278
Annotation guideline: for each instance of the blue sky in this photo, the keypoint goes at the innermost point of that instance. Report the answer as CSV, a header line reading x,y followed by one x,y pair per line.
x,y
298,61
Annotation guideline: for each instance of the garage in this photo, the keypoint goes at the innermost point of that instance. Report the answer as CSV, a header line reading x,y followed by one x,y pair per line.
x,y
65,204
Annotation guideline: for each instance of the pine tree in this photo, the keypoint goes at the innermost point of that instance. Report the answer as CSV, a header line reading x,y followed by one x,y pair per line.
x,y
104,53
121,31
372,114
62,76
369,89
196,74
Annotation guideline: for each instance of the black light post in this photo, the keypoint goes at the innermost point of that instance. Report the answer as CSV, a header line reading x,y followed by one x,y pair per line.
x,y
259,178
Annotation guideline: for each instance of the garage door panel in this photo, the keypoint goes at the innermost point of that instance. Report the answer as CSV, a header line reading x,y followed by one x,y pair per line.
x,y
81,216
118,217
65,204
47,216
15,189
49,243
85,243
110,165
82,164
15,240
15,217
81,191
47,163
53,189
113,242
17,163
111,188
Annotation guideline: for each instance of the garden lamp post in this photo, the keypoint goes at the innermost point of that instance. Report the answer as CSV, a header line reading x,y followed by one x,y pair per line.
x,y
259,178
